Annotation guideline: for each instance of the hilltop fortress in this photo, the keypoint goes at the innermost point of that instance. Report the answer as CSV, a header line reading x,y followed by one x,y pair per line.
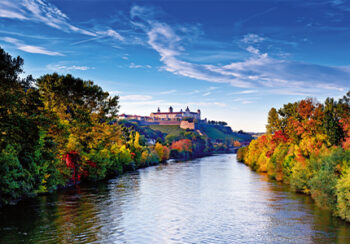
x,y
168,118
171,115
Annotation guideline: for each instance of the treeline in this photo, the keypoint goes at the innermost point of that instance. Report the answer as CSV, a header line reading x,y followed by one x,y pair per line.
x,y
307,145
213,122
59,130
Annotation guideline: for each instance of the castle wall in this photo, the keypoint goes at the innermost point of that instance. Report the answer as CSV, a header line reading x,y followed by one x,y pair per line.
x,y
170,122
187,125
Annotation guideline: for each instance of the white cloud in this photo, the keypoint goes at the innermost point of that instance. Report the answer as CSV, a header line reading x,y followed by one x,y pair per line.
x,y
258,71
252,38
138,66
113,93
163,39
111,33
72,67
40,11
167,92
253,50
30,48
46,13
206,94
247,92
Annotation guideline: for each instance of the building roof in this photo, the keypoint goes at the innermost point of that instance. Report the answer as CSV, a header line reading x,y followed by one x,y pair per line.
x,y
168,113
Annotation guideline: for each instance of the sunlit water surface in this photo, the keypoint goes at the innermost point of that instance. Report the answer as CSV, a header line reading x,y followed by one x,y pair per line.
x,y
207,200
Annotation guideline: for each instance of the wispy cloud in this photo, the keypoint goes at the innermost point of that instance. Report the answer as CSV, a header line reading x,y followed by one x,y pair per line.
x,y
239,23
139,66
111,33
68,68
206,94
40,11
252,38
163,39
30,48
257,71
246,92
167,92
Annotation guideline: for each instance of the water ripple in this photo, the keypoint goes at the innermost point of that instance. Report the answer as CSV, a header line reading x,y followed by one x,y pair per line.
x,y
208,200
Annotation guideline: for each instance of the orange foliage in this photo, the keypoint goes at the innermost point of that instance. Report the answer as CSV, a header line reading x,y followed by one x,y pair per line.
x,y
236,144
182,145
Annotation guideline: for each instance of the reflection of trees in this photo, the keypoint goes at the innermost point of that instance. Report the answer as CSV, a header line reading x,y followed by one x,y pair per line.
x,y
302,216
29,221
139,202
77,217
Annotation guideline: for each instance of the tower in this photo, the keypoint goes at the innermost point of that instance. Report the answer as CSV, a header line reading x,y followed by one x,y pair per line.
x,y
170,109
158,110
199,114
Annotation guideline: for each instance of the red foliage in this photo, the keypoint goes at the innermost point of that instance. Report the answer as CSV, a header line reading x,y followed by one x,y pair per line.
x,y
72,159
92,164
279,137
182,145
346,128
306,108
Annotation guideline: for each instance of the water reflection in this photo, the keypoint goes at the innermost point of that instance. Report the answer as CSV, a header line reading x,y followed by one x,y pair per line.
x,y
208,200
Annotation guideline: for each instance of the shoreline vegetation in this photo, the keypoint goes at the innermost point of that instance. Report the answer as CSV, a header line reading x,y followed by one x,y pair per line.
x,y
58,131
307,145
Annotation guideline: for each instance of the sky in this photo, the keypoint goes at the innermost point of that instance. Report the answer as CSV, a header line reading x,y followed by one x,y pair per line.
x,y
233,60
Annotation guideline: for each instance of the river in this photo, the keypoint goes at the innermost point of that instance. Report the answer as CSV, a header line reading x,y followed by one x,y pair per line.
x,y
207,200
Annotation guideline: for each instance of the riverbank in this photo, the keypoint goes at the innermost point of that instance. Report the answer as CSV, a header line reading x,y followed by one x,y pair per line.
x,y
307,146
130,168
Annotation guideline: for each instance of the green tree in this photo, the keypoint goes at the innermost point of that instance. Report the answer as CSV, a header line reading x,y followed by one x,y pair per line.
x,y
273,121
331,122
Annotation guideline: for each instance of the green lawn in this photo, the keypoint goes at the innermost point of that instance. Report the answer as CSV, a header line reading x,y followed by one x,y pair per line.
x,y
168,129
221,133
213,132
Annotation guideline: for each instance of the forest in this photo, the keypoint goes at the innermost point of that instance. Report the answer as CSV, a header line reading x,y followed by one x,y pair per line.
x,y
58,130
307,145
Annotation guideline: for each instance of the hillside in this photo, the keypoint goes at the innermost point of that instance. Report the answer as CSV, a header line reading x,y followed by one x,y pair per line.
x,y
174,130
217,133
222,133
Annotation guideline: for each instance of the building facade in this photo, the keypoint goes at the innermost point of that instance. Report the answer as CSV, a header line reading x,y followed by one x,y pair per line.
x,y
171,115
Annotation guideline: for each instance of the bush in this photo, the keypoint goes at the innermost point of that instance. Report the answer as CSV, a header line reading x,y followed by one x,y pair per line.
x,y
343,196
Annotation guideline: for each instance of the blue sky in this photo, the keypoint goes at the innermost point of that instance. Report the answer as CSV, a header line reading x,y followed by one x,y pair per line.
x,y
234,60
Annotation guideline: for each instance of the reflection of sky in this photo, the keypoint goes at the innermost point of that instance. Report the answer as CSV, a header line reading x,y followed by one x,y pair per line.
x,y
213,200
209,200
232,59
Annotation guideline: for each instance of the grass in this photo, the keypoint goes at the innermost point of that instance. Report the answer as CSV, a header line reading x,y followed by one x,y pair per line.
x,y
221,133
168,129
212,131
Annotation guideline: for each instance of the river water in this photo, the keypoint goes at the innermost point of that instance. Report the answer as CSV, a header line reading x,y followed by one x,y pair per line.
x,y
208,200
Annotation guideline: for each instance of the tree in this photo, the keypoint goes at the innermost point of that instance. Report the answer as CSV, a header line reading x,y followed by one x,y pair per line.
x,y
28,160
331,122
273,121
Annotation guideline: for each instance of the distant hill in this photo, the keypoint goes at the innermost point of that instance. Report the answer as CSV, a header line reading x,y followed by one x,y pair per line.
x,y
217,133
222,133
